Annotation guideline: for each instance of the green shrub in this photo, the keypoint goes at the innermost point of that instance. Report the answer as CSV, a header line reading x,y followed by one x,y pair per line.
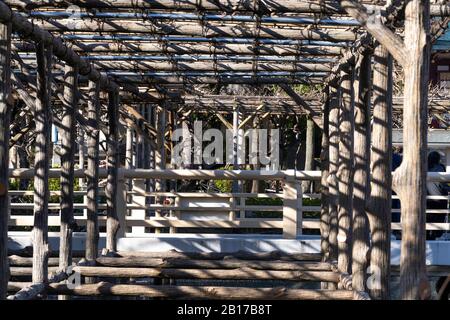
x,y
223,185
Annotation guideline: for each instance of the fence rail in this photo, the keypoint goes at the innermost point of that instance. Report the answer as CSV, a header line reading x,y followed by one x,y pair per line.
x,y
202,210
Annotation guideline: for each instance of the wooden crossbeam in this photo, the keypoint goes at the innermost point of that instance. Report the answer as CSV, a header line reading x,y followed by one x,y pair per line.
x,y
302,103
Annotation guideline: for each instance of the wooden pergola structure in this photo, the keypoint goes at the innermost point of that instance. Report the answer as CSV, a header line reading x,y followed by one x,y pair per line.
x,y
122,54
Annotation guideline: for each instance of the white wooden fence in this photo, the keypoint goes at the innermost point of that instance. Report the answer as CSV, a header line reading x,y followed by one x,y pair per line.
x,y
199,210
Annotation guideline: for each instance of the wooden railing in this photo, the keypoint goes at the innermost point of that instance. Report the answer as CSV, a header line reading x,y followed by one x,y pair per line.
x,y
198,210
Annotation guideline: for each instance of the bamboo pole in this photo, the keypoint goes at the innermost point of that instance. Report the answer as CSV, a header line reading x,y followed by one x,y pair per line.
x,y
41,164
112,226
5,117
379,206
92,230
345,172
68,133
361,181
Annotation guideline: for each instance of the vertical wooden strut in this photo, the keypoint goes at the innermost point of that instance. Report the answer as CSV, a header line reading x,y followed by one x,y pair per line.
x,y
160,153
92,232
5,115
68,133
380,204
41,164
361,184
333,184
409,179
345,172
324,166
112,224
309,153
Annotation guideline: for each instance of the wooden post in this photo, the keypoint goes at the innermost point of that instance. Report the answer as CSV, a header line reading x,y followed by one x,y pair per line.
x,y
149,160
121,206
309,153
236,184
129,163
92,232
409,179
324,165
333,184
324,208
292,211
41,164
112,224
160,154
5,114
345,173
81,155
361,186
380,204
68,133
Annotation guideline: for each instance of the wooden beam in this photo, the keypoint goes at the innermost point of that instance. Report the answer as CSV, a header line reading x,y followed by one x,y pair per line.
x,y
226,274
380,203
250,117
374,25
41,164
228,6
124,47
92,229
31,31
28,30
112,226
361,184
217,66
191,292
224,121
302,103
68,133
5,115
229,263
206,29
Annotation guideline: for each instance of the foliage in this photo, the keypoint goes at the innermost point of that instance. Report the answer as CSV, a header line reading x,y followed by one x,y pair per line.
x,y
223,185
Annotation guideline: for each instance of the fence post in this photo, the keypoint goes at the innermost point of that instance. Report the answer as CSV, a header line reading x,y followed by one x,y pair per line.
x,y
292,208
139,197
